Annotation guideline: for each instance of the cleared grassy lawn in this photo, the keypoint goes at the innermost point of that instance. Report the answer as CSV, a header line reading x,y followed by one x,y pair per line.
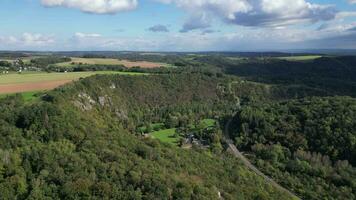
x,y
206,123
300,58
167,136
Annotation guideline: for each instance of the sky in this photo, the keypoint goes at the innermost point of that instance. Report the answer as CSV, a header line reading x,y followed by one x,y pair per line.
x,y
177,25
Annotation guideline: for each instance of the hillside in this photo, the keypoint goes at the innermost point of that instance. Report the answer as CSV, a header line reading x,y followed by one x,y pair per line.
x,y
79,142
332,75
307,145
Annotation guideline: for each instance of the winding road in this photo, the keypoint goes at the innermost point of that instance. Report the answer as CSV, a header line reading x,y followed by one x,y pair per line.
x,y
248,164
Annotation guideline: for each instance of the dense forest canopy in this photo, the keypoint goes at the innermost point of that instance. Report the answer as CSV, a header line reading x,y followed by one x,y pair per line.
x,y
72,145
93,139
313,139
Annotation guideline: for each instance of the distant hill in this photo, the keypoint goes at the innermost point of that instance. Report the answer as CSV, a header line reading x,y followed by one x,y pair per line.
x,y
334,75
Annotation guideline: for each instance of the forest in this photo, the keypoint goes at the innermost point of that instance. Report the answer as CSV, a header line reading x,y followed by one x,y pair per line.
x,y
93,138
73,144
307,144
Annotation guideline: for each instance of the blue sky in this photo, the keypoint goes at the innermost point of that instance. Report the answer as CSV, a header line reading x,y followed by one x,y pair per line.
x,y
177,25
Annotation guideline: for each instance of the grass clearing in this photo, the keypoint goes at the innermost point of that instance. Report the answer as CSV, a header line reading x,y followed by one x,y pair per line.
x,y
166,136
207,123
27,96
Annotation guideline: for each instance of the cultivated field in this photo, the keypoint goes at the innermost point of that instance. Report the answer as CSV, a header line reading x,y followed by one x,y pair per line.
x,y
18,83
108,61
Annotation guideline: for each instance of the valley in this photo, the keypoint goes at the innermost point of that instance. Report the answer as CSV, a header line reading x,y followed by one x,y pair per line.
x,y
210,128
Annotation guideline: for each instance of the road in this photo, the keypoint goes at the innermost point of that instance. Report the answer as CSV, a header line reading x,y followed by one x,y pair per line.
x,y
248,164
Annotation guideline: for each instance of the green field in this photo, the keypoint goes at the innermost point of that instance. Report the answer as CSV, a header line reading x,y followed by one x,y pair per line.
x,y
27,96
206,123
166,136
43,76
300,58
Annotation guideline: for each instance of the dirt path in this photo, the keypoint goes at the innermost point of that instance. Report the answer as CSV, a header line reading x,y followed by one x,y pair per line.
x,y
26,87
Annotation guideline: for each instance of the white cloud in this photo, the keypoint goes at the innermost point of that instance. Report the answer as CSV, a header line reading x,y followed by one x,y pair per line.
x,y
262,13
94,6
196,21
330,35
28,41
243,39
352,1
86,35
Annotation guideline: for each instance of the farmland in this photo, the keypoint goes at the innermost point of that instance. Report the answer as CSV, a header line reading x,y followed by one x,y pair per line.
x,y
26,60
300,58
109,61
38,81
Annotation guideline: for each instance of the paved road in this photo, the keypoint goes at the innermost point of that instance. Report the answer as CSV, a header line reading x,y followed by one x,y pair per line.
x,y
247,163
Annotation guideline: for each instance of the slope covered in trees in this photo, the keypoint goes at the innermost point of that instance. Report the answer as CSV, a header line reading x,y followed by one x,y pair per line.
x,y
307,145
332,75
77,142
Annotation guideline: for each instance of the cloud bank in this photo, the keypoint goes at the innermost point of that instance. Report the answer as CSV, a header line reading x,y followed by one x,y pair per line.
x,y
253,13
94,6
27,40
258,24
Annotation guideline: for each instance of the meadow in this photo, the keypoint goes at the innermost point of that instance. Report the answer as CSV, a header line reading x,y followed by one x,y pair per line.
x,y
300,58
166,136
